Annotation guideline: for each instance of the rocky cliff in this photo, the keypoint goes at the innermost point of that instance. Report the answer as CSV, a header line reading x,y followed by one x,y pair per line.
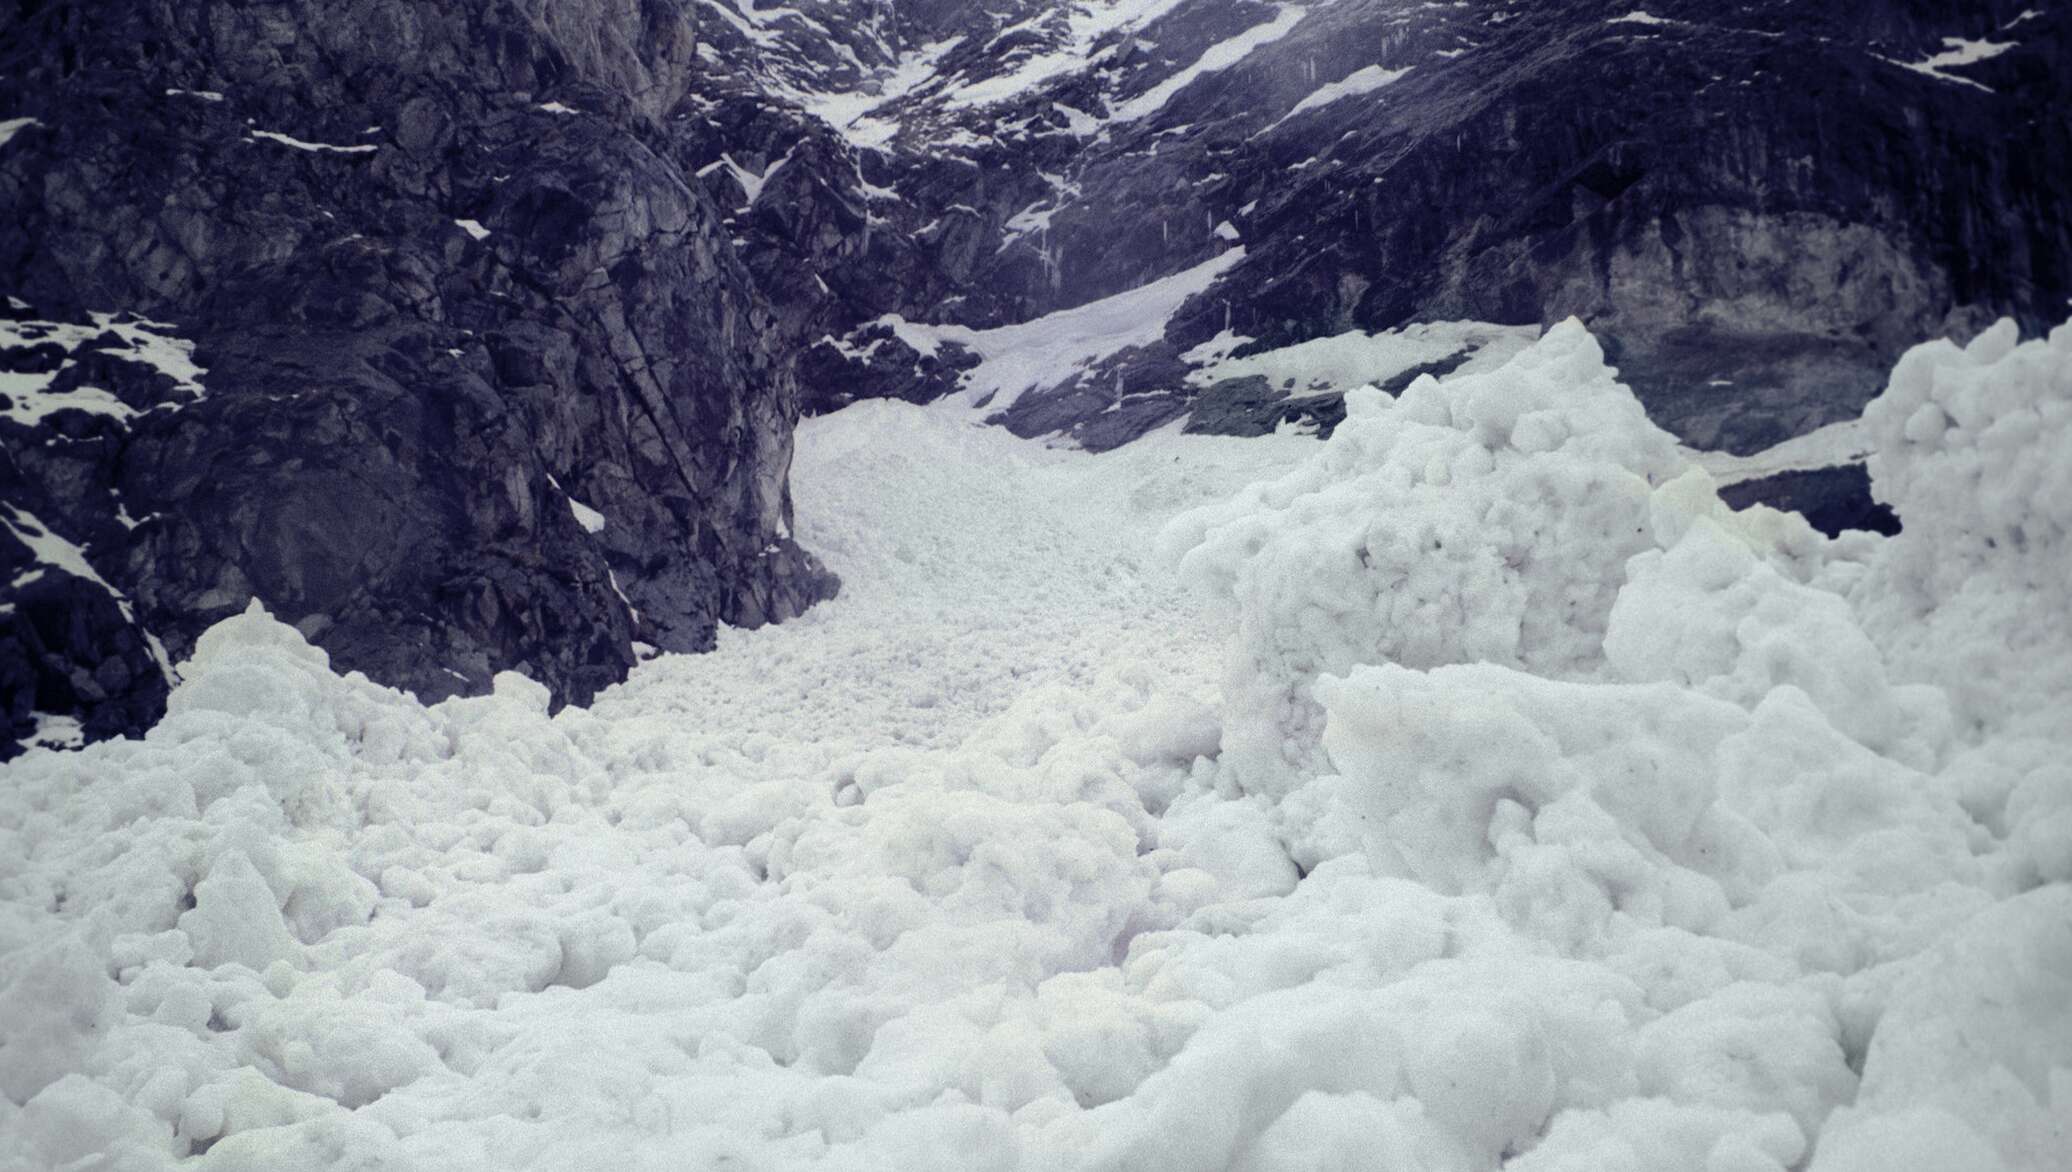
x,y
470,336
402,318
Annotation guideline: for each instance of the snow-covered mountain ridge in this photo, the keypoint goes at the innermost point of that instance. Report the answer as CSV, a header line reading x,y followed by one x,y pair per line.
x,y
1761,185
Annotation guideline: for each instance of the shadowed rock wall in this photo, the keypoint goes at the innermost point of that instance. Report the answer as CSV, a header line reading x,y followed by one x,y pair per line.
x,y
482,383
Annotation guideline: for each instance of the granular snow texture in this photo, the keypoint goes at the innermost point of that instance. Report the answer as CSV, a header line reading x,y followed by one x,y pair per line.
x,y
1497,798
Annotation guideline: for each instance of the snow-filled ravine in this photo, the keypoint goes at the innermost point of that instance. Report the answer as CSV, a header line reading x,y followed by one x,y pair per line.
x,y
1472,790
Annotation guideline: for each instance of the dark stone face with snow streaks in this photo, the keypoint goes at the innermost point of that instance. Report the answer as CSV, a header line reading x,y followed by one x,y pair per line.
x,y
484,385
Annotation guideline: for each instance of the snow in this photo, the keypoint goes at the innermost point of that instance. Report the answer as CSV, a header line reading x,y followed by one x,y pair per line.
x,y
49,550
58,732
1086,21
1360,81
556,108
46,548
1047,350
153,344
1957,52
1832,446
298,144
203,95
1214,59
1639,16
473,228
1497,798
13,126
1337,362
851,112
1440,499
751,181
29,399
590,519
1035,218
1078,122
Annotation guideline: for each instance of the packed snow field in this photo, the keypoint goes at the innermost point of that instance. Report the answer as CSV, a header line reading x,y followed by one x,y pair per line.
x,y
1471,790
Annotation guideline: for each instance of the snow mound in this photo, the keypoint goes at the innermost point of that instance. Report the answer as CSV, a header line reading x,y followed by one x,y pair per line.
x,y
1973,448
1554,817
1484,519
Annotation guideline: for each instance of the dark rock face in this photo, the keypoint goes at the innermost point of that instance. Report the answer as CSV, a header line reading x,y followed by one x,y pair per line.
x,y
451,297
1831,499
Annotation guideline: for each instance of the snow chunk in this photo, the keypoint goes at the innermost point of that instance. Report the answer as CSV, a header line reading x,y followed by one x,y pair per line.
x,y
1957,53
13,126
473,228
1448,765
29,399
235,918
1971,450
57,732
1485,518
590,519
56,1009
1972,1060
298,144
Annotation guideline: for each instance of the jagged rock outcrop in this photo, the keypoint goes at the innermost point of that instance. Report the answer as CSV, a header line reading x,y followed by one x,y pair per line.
x,y
452,365
1831,499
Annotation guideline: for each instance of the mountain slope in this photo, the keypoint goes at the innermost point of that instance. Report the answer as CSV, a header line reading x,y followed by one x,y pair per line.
x,y
1775,187
471,338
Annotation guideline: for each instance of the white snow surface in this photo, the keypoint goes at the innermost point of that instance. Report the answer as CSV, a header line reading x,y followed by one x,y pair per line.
x,y
1086,22
1047,350
13,126
48,550
314,147
1360,81
1499,799
1845,442
29,399
590,519
1214,59
1336,362
1957,52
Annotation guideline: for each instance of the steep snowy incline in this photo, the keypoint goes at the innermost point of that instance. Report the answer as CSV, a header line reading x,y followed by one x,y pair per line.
x,y
1500,800
977,567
